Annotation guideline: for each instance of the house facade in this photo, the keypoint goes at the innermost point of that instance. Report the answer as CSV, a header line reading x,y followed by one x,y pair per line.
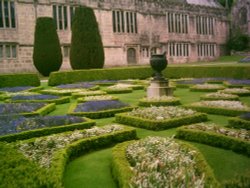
x,y
131,30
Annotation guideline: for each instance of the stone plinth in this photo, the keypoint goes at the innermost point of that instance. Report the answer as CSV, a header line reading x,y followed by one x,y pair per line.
x,y
159,88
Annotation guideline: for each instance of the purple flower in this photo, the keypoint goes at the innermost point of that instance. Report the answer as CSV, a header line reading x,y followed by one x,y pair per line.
x,y
16,89
94,106
201,80
15,108
85,85
239,82
34,97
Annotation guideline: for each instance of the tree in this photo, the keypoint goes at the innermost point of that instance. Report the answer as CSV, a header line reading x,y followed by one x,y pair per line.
x,y
47,55
86,50
238,41
225,3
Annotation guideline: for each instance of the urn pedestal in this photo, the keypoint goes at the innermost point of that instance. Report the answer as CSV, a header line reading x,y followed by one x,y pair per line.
x,y
159,85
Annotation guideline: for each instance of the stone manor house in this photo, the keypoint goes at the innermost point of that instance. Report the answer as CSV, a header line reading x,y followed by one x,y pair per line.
x,y
131,30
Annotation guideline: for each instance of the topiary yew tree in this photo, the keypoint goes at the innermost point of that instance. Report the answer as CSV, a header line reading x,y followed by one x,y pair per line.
x,y
47,55
86,49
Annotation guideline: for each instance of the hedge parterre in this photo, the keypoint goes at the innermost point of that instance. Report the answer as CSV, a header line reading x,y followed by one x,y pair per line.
x,y
16,89
84,85
16,124
15,108
219,96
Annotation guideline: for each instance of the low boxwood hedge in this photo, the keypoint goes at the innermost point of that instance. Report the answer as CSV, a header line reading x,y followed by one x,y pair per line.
x,y
118,91
219,111
17,171
238,123
123,118
78,148
233,98
89,93
214,139
99,114
60,100
47,131
12,80
147,103
57,78
122,172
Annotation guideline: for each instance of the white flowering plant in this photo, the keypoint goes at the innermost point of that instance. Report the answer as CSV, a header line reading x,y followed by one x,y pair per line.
x,y
159,101
207,87
97,98
163,162
237,91
219,96
41,150
88,93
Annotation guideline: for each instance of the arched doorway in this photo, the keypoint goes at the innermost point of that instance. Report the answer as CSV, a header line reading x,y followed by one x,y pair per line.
x,y
131,56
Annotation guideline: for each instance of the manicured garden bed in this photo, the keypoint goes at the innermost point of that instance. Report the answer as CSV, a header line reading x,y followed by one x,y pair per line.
x,y
219,96
14,128
160,118
160,162
161,101
207,87
211,134
99,108
26,109
241,122
221,107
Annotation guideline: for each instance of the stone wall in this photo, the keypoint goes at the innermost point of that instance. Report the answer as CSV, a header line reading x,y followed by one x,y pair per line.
x,y
152,31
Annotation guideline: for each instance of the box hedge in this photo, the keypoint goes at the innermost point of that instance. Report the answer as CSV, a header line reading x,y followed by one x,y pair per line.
x,y
143,72
123,118
238,123
214,139
12,80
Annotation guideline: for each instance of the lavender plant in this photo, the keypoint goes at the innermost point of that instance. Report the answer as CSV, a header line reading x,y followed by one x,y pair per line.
x,y
15,108
99,105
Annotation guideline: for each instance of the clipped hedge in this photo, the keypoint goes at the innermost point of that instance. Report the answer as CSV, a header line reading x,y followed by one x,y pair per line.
x,y
98,114
233,98
16,171
123,118
47,131
240,72
219,111
118,91
78,148
60,100
148,103
12,80
122,173
238,123
214,139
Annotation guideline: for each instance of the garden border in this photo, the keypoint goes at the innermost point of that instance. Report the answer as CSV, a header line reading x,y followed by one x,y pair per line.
x,y
61,100
238,123
147,103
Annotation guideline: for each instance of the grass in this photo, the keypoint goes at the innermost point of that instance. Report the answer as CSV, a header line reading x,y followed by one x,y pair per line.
x,y
92,170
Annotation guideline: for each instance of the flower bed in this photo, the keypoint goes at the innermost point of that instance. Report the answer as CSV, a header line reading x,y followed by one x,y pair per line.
x,y
222,107
55,151
39,98
215,135
88,93
160,162
159,101
19,89
99,109
160,118
81,85
119,88
237,91
237,83
207,87
61,92
97,98
18,128
241,122
219,96
26,109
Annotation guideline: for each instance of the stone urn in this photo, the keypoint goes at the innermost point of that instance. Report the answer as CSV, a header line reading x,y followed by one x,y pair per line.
x,y
158,63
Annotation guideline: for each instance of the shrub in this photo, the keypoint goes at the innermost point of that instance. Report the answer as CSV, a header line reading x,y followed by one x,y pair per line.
x,y
238,41
12,80
86,44
47,55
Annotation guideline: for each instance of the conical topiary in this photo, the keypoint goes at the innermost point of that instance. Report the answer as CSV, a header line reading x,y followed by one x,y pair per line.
x,y
47,55
86,50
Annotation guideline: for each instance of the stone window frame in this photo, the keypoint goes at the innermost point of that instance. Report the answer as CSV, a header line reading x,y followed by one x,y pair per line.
x,y
177,22
8,17
204,25
206,49
8,51
124,22
178,49
63,16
